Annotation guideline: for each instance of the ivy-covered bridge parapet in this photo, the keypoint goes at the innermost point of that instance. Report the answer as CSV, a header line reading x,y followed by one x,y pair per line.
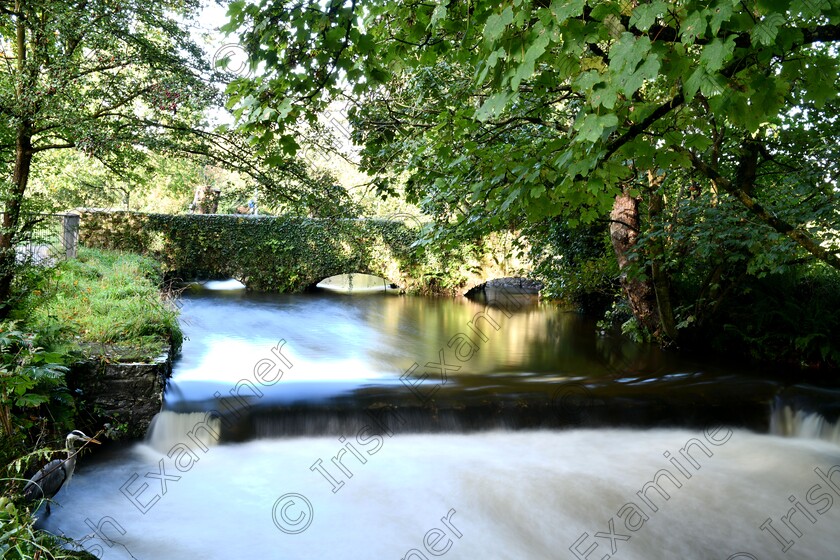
x,y
278,254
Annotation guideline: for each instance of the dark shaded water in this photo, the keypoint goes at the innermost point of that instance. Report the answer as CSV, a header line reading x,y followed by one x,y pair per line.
x,y
330,426
303,364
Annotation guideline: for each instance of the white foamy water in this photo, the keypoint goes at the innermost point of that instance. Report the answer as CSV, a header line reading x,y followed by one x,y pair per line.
x,y
193,428
516,495
784,421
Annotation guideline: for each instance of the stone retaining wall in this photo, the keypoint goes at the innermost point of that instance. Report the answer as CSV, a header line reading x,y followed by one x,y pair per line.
x,y
125,396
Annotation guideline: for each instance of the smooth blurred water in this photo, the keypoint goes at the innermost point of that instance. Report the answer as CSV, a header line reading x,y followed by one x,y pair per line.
x,y
515,495
338,343
353,488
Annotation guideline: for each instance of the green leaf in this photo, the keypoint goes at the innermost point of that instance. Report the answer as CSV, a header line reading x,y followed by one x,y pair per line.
x,y
496,23
564,10
438,14
717,53
644,15
494,105
708,84
809,8
627,52
720,14
592,126
693,26
526,69
235,8
604,95
31,399
625,57
764,33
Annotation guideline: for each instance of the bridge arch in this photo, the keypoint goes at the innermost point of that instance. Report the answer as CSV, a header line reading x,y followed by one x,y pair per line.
x,y
357,282
287,253
266,253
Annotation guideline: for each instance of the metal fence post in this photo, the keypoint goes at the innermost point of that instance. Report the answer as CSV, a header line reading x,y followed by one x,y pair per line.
x,y
70,234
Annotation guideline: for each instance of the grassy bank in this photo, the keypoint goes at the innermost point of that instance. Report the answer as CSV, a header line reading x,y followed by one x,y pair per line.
x,y
105,303
102,304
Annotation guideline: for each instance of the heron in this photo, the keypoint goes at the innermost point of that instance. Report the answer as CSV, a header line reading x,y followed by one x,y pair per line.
x,y
48,481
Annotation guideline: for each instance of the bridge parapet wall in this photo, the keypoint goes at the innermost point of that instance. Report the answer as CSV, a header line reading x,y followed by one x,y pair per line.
x,y
276,253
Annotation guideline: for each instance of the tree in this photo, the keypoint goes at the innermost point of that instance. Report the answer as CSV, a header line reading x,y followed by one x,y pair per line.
x,y
585,110
110,79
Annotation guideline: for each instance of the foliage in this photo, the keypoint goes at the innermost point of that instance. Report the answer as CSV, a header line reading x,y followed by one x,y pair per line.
x,y
542,110
124,87
283,254
30,378
110,80
784,317
718,117
575,264
20,539
110,304
69,179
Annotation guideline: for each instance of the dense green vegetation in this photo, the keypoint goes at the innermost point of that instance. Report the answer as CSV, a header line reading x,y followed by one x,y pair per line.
x,y
102,305
101,101
673,161
286,253
109,302
671,166
697,138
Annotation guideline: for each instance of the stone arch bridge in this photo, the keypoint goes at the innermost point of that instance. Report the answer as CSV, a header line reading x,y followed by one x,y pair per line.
x,y
283,253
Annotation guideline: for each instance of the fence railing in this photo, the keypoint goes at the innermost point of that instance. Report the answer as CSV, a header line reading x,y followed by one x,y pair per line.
x,y
44,239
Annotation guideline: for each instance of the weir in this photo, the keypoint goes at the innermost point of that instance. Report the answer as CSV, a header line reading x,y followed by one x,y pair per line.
x,y
547,440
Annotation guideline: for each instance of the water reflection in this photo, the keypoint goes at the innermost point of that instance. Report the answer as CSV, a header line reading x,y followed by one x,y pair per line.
x,y
356,283
372,340
340,344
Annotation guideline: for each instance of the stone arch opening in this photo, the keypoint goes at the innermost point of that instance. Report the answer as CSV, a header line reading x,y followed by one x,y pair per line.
x,y
356,283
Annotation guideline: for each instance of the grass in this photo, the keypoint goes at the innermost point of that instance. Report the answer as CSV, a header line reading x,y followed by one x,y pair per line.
x,y
109,303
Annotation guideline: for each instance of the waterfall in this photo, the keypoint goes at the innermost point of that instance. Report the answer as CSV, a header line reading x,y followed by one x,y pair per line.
x,y
193,429
785,421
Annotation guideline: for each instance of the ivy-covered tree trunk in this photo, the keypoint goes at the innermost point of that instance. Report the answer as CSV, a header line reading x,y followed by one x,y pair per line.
x,y
624,233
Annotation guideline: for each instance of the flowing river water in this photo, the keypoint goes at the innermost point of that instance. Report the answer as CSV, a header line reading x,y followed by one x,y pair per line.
x,y
378,426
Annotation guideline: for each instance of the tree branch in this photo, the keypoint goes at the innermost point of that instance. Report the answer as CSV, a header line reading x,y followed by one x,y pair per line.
x,y
780,225
643,125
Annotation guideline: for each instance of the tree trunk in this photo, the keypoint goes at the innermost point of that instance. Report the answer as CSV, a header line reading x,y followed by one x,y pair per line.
x,y
661,279
11,215
624,233
20,175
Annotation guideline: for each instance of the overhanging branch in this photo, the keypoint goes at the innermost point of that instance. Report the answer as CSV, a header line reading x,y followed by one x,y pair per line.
x,y
793,232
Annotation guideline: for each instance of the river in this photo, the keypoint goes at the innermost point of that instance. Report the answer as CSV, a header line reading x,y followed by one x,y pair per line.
x,y
384,426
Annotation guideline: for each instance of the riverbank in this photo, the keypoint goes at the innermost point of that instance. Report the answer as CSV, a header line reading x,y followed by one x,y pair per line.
x,y
90,344
105,304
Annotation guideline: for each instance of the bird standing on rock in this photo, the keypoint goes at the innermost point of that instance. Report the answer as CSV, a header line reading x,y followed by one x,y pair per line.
x,y
48,481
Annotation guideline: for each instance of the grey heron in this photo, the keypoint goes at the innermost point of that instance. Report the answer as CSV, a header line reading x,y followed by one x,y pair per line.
x,y
48,481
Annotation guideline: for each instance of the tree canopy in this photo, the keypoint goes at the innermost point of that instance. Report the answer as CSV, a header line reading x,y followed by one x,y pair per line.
x,y
536,109
124,84
677,123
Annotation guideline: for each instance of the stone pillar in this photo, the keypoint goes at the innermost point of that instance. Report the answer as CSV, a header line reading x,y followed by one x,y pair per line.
x,y
206,200
70,234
